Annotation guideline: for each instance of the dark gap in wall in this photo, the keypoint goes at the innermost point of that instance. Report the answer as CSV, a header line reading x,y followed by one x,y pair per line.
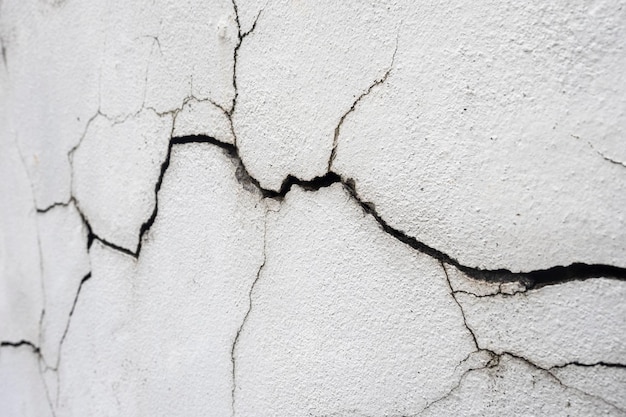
x,y
531,279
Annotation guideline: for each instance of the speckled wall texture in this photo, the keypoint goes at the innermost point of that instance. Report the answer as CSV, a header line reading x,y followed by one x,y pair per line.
x,y
312,208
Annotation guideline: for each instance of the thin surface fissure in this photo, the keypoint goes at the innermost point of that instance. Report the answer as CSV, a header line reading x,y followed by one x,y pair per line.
x,y
240,37
469,329
355,103
69,318
245,318
495,362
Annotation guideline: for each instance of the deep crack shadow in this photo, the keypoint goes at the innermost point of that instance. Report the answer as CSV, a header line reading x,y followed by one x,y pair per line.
x,y
531,279
21,343
591,365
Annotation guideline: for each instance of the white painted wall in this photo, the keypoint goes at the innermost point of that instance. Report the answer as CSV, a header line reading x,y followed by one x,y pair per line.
x,y
290,208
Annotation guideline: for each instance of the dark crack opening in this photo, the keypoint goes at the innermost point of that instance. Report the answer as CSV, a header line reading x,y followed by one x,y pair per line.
x,y
531,279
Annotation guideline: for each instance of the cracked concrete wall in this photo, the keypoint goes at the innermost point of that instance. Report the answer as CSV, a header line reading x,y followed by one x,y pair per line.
x,y
282,208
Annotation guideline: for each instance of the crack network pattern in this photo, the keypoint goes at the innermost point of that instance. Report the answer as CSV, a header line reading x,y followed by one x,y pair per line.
x,y
530,279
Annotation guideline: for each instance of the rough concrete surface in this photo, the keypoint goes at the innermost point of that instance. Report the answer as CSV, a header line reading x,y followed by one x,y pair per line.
x,y
287,208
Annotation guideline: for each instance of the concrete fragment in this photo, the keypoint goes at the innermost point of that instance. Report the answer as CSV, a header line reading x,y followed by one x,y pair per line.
x,y
516,388
344,317
471,147
297,74
606,382
203,118
196,43
22,392
462,283
53,59
65,263
21,293
132,45
579,321
116,168
187,295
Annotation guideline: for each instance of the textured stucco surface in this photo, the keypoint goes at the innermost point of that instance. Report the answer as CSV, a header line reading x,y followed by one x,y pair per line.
x,y
286,208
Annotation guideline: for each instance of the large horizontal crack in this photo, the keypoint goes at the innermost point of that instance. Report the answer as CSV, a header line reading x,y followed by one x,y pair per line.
x,y
21,343
530,279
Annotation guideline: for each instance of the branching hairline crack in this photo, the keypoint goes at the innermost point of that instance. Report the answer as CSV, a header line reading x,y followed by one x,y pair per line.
x,y
355,103
534,279
36,349
469,329
230,149
240,37
549,372
495,361
492,363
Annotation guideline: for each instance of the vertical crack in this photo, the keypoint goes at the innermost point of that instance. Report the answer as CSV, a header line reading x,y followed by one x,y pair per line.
x,y
42,364
245,318
240,37
4,55
469,329
40,253
61,342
